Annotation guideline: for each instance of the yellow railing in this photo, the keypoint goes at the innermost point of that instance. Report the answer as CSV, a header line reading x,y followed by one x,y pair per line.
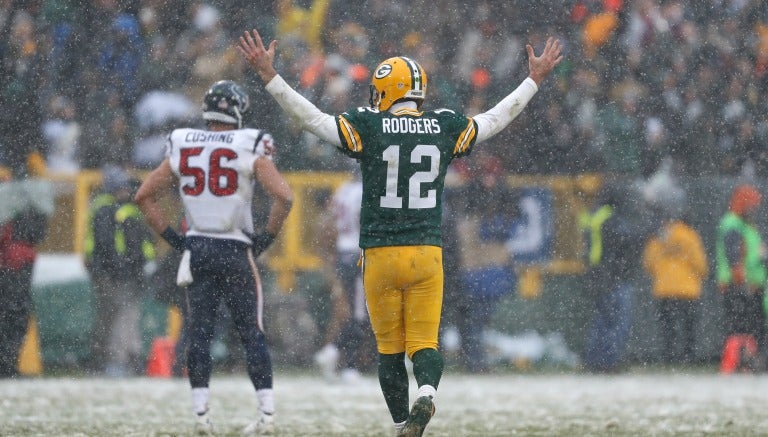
x,y
295,250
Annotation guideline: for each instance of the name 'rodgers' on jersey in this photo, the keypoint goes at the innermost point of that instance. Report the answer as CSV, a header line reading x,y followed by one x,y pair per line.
x,y
404,156
408,125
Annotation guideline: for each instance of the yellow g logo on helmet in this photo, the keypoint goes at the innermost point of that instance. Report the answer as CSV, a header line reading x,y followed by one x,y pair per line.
x,y
395,79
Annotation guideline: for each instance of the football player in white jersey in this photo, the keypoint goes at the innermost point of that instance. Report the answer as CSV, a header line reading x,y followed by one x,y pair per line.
x,y
349,347
215,170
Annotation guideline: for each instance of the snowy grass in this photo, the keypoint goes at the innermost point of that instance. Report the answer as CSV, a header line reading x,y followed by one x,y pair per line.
x,y
637,404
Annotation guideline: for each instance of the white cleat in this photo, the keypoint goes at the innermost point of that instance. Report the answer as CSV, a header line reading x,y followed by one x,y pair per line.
x,y
327,359
400,429
350,376
264,425
203,424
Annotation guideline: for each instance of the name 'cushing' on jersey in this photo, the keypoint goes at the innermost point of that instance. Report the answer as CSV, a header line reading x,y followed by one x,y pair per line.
x,y
215,171
404,157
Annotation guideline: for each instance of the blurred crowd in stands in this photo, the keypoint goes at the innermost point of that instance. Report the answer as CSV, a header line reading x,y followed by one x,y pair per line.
x,y
101,81
98,84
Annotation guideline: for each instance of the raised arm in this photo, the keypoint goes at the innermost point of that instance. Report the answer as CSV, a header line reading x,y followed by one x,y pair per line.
x,y
309,116
491,122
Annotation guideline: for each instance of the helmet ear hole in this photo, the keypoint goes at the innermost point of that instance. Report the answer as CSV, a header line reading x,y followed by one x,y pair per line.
x,y
373,96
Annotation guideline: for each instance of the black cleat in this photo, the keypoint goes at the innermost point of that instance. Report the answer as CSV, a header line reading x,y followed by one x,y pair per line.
x,y
421,412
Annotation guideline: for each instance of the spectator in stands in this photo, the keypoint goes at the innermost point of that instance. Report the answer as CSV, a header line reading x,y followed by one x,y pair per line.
x,y
121,56
752,146
120,132
159,71
352,42
19,235
478,53
211,54
99,147
62,135
21,71
697,143
303,20
655,146
582,104
441,87
687,57
333,92
620,129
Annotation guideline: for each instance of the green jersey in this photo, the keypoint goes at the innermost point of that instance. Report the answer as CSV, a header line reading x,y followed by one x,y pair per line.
x,y
403,158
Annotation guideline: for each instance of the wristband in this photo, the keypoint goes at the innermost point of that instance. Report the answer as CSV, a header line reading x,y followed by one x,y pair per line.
x,y
261,242
173,238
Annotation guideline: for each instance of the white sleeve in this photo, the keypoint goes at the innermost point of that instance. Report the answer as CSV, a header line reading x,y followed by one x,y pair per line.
x,y
491,122
265,148
312,119
168,145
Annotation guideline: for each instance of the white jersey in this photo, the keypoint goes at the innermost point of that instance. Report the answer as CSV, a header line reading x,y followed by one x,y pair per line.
x,y
215,171
346,213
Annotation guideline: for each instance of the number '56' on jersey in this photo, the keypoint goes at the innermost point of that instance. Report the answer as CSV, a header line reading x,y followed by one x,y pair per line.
x,y
215,171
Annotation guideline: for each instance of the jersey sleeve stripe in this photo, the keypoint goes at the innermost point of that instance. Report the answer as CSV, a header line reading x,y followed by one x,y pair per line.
x,y
351,136
258,140
465,139
169,142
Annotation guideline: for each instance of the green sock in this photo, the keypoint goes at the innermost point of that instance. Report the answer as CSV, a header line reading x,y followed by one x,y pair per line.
x,y
393,379
427,367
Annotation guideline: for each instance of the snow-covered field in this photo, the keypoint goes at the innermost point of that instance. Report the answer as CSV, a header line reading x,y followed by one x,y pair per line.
x,y
639,404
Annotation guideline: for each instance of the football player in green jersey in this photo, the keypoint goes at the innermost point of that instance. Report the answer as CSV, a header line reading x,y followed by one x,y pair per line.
x,y
404,153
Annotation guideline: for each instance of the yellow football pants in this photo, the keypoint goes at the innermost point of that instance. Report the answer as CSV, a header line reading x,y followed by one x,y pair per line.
x,y
404,291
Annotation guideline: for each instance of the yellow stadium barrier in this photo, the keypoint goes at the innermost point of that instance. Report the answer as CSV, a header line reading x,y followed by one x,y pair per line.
x,y
295,250
30,357
175,323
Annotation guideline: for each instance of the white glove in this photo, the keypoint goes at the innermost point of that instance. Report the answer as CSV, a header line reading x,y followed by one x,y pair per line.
x,y
150,268
184,275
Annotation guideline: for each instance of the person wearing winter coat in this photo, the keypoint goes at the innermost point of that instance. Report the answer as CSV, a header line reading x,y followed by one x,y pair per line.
x,y
19,237
614,232
675,260
741,271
